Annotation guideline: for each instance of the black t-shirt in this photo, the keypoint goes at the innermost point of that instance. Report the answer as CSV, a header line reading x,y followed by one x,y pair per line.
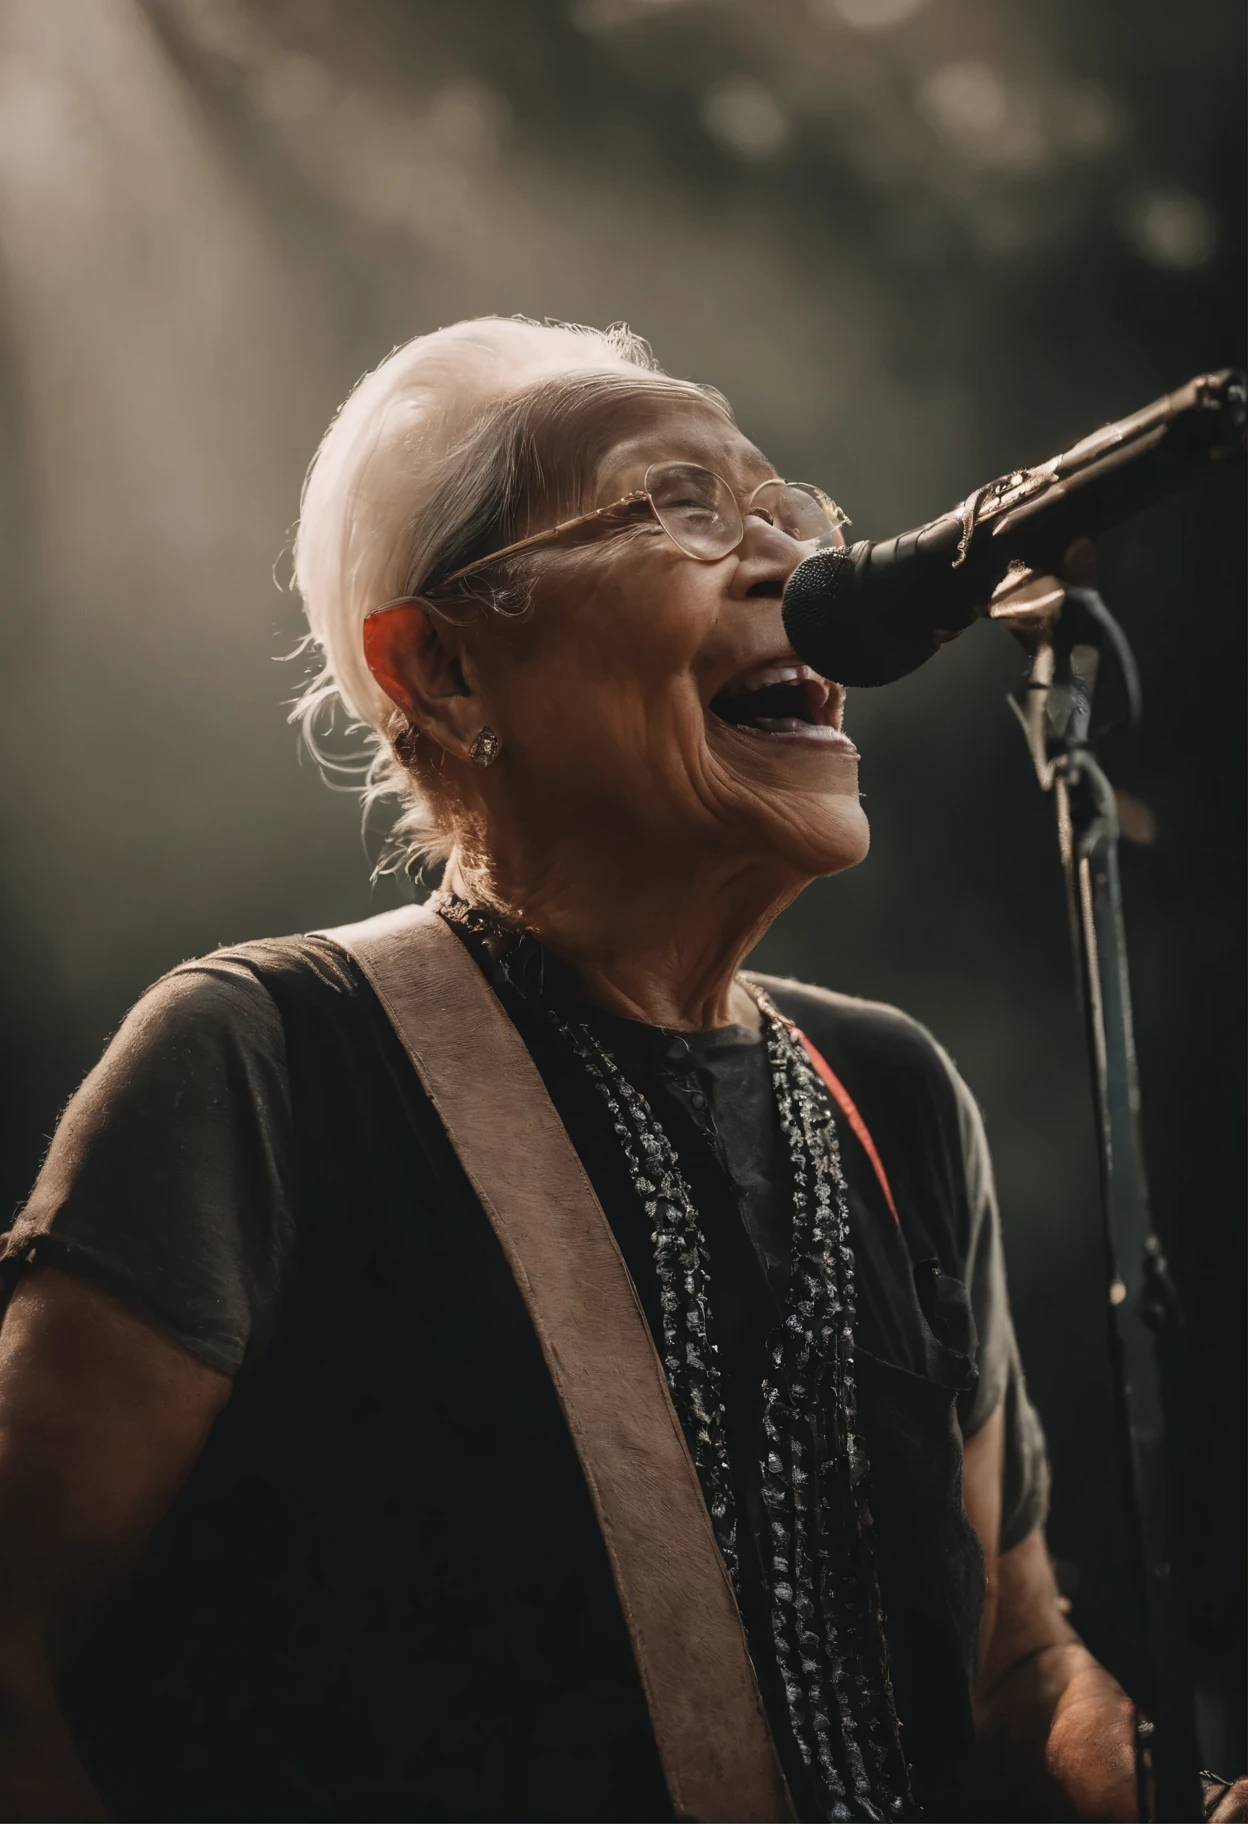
x,y
179,1178
169,1177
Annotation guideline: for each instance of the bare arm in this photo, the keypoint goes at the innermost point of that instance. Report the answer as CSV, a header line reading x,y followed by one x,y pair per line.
x,y
101,1420
1055,1731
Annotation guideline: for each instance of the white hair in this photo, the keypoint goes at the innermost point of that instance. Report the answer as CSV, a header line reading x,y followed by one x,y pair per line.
x,y
434,459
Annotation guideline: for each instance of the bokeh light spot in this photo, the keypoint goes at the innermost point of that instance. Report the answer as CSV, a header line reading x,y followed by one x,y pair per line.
x,y
745,117
1169,226
970,107
865,15
1087,119
965,102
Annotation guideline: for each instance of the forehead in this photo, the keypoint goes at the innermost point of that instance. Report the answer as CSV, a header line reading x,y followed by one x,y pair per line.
x,y
665,429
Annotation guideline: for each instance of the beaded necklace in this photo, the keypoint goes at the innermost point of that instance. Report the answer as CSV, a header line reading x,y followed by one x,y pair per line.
x,y
818,1556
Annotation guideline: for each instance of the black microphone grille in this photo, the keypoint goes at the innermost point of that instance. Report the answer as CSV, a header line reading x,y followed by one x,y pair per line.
x,y
825,578
815,598
837,623
829,623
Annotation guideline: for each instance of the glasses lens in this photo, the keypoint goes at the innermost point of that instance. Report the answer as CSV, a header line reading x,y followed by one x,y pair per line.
x,y
695,508
798,509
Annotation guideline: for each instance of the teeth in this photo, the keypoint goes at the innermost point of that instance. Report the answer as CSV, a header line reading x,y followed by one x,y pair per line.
x,y
789,725
764,676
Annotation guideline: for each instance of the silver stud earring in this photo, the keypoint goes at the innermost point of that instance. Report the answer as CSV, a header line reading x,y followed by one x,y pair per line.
x,y
484,749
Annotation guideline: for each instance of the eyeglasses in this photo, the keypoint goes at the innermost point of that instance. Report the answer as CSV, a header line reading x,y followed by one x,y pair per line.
x,y
698,511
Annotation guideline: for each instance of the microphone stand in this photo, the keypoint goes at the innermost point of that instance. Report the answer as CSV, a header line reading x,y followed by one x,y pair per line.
x,y
1082,679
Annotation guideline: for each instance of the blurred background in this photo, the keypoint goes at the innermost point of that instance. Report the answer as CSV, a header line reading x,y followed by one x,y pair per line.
x,y
916,242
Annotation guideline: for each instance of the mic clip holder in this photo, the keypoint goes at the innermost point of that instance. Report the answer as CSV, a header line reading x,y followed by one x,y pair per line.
x,y
1082,681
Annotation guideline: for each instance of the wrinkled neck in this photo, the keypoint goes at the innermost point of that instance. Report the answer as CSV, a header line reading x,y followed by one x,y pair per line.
x,y
662,950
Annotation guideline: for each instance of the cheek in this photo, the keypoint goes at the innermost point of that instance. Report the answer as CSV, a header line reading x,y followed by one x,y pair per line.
x,y
643,628
609,668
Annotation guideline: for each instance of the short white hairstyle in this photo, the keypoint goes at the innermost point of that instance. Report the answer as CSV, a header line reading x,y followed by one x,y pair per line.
x,y
434,459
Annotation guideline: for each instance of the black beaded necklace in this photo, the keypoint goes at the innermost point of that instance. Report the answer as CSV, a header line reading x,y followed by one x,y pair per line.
x,y
818,1556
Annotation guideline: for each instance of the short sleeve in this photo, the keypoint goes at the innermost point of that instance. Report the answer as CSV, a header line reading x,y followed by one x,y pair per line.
x,y
1001,1378
168,1177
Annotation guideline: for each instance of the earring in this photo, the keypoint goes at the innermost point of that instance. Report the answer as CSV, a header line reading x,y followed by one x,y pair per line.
x,y
484,749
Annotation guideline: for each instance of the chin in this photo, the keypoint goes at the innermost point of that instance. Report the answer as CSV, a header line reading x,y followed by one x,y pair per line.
x,y
804,834
819,839
796,801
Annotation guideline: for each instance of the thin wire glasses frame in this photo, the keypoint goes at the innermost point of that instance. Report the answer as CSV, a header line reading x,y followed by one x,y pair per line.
x,y
811,516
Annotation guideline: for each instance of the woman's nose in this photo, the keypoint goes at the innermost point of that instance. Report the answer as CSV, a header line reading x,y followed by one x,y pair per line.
x,y
767,559
763,540
761,534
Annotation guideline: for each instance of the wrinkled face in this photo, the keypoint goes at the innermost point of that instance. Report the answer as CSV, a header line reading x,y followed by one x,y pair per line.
x,y
653,700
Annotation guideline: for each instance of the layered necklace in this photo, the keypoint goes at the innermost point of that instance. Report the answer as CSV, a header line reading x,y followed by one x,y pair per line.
x,y
817,1553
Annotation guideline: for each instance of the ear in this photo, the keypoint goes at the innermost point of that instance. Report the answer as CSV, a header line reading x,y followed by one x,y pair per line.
x,y
417,658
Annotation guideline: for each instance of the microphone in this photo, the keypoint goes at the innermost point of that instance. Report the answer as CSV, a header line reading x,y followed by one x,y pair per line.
x,y
871,613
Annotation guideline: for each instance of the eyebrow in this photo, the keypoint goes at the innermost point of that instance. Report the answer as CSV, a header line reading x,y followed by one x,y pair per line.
x,y
745,474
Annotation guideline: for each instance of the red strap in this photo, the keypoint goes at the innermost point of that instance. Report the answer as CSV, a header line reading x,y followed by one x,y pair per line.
x,y
849,1108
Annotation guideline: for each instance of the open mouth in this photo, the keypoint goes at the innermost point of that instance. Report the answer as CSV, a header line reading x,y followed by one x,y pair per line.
x,y
786,700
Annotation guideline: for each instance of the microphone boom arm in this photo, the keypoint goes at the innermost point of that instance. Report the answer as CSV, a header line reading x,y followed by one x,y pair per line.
x,y
871,613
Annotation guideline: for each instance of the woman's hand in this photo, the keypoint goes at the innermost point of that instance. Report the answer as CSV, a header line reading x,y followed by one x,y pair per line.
x,y
1227,1802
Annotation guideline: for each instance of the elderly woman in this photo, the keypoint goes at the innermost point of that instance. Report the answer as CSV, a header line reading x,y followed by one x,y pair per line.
x,y
502,1361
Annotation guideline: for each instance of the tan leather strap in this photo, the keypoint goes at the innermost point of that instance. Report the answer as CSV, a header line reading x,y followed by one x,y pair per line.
x,y
713,1740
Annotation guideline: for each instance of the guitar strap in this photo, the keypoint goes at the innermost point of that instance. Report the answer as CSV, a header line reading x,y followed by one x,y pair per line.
x,y
710,1728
